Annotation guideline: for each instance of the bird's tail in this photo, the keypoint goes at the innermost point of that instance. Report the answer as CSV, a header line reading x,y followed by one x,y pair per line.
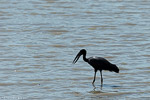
x,y
114,68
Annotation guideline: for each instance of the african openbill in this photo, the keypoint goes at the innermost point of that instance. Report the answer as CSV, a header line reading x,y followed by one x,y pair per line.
x,y
98,63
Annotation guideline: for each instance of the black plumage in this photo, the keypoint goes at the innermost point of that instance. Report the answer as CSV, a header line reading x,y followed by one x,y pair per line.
x,y
98,63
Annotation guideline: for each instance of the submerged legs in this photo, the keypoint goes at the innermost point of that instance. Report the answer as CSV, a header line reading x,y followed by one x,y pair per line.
x,y
94,77
101,78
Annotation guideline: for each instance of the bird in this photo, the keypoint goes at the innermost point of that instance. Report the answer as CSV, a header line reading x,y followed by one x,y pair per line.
x,y
98,63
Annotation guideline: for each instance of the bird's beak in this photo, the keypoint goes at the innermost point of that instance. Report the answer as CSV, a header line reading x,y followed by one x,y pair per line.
x,y
77,57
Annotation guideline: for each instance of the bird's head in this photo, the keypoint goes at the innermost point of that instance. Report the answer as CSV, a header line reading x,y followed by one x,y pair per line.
x,y
82,52
116,69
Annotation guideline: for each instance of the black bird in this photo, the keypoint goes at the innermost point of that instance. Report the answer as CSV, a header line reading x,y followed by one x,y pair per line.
x,y
98,63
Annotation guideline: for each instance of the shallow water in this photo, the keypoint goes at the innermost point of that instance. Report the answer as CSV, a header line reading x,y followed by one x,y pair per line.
x,y
40,38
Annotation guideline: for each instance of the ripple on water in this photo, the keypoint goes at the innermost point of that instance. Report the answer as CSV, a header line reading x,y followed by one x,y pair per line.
x,y
38,40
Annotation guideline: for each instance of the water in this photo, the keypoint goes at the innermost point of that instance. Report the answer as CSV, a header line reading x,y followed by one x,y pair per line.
x,y
40,38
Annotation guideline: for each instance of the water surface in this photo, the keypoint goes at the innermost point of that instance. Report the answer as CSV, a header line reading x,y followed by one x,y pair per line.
x,y
40,38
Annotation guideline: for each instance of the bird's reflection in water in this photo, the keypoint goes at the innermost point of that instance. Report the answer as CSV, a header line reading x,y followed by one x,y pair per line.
x,y
104,85
94,87
96,90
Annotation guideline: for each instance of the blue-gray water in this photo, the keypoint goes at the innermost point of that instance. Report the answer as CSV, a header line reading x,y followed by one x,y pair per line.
x,y
40,38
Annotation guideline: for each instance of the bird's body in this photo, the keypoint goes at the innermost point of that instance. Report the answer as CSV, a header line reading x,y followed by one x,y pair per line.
x,y
98,63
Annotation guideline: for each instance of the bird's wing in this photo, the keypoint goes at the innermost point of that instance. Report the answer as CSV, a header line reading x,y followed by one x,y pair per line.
x,y
98,61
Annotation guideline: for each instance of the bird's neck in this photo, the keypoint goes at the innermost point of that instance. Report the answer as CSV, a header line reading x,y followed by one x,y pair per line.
x,y
84,58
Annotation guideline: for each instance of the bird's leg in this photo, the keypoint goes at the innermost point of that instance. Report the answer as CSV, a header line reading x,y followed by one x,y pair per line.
x,y
101,78
94,77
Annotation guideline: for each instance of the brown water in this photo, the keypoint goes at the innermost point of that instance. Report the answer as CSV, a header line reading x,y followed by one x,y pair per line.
x,y
40,38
